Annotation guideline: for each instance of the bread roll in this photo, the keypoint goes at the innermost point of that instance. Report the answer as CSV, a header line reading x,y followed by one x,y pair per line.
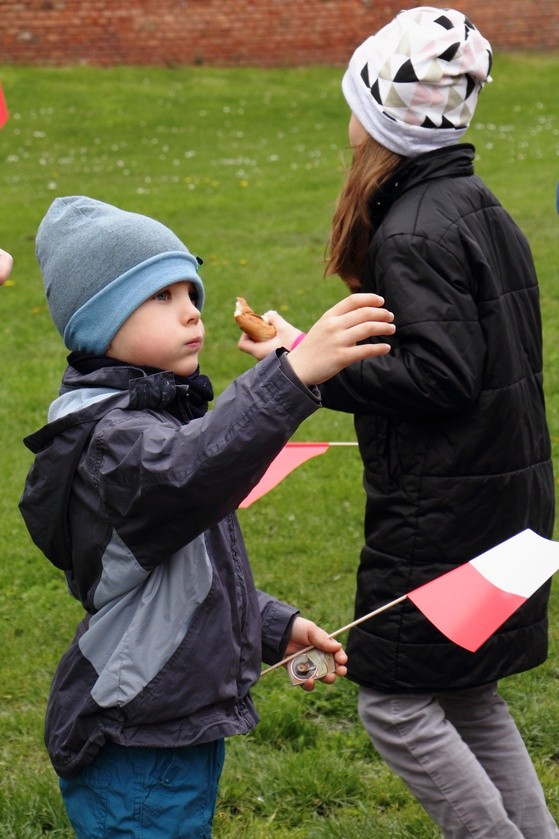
x,y
254,325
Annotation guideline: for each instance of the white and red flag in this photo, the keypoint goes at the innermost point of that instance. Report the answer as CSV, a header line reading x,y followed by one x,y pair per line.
x,y
472,601
469,603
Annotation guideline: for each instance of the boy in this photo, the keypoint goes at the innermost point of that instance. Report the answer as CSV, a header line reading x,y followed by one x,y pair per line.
x,y
133,494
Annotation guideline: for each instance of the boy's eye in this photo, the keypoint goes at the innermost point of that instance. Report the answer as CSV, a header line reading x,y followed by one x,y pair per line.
x,y
164,294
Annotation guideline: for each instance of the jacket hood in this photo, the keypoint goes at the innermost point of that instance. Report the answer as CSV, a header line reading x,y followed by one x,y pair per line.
x,y
90,389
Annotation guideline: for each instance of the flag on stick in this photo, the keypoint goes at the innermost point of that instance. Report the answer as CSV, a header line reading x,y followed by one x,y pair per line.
x,y
291,456
3,108
337,632
469,603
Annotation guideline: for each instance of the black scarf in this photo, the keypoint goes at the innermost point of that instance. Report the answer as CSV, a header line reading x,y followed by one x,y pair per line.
x,y
192,392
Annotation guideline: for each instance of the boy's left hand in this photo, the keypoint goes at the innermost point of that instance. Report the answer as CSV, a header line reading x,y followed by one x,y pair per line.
x,y
305,633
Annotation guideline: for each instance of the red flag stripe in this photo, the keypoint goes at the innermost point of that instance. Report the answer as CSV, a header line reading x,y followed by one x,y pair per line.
x,y
3,108
291,456
465,606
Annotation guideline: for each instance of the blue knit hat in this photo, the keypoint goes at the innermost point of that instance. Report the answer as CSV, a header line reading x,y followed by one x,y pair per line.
x,y
99,263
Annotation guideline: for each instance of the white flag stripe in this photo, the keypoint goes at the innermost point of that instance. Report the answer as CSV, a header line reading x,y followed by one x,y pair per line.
x,y
521,564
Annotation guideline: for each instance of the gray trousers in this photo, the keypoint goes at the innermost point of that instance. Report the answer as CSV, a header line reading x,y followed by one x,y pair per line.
x,y
462,756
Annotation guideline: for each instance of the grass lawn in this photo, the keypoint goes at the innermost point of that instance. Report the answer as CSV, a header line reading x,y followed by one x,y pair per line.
x,y
244,165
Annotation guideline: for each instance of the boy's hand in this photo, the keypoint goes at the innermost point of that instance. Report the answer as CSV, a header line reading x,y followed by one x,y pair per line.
x,y
304,634
332,343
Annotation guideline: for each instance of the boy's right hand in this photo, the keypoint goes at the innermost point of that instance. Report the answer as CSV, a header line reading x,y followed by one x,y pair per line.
x,y
332,343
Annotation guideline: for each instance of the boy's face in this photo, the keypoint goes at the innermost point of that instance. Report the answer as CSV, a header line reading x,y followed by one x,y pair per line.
x,y
166,332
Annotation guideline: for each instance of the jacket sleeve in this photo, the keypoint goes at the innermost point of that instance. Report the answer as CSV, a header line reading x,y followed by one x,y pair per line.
x,y
162,483
438,351
277,618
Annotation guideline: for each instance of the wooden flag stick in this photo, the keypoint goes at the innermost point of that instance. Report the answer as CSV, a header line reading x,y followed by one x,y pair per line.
x,y
338,632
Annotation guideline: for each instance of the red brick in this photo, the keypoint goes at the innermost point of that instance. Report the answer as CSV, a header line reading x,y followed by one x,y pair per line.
x,y
233,32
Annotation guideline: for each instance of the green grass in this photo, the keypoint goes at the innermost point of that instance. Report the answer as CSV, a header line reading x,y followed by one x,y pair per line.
x,y
245,166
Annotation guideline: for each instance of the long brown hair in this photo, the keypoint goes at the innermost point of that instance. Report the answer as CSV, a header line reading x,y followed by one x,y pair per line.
x,y
351,227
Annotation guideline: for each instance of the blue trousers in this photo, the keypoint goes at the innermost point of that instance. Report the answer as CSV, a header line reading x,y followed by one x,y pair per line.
x,y
463,758
142,793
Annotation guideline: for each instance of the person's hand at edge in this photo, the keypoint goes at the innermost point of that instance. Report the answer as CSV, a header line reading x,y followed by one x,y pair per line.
x,y
6,265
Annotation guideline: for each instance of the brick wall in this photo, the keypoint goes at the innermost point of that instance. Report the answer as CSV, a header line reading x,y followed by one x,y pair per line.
x,y
237,32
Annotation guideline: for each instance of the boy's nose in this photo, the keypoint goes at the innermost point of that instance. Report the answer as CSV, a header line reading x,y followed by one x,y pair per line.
x,y
189,312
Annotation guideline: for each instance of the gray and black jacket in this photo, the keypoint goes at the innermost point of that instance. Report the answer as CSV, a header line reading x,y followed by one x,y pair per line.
x,y
133,494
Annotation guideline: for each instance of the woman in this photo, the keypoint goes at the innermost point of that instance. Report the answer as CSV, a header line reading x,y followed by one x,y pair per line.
x,y
451,423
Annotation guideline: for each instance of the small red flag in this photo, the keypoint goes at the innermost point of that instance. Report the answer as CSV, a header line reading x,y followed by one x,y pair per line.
x,y
3,108
291,456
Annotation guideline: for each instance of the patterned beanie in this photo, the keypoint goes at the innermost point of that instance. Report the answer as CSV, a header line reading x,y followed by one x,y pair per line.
x,y
414,85
99,263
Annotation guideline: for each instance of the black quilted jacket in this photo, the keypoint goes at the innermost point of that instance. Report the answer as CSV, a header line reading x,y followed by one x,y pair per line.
x,y
451,424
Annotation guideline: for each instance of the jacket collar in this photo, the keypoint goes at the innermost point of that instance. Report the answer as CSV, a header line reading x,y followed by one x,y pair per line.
x,y
94,387
148,388
451,162
122,386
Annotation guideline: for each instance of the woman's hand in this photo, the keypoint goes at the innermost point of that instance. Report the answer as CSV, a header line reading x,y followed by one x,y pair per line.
x,y
333,342
285,336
